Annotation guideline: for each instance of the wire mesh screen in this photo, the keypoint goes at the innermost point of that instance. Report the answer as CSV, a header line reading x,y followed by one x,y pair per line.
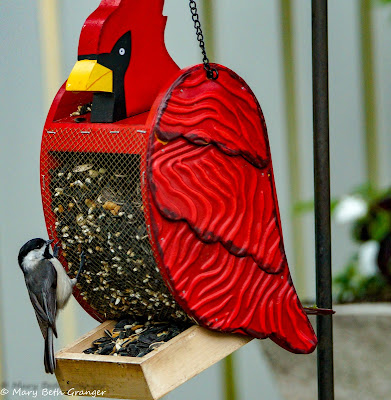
x,y
97,202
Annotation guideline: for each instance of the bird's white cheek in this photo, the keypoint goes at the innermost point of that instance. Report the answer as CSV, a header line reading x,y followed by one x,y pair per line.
x,y
31,259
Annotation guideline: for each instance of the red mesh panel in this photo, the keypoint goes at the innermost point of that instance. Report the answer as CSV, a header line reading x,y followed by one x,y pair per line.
x,y
92,192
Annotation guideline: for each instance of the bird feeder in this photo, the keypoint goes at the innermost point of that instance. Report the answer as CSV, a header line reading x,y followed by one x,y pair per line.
x,y
163,177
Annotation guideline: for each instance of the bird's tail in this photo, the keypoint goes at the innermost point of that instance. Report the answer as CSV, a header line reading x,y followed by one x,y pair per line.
x,y
50,362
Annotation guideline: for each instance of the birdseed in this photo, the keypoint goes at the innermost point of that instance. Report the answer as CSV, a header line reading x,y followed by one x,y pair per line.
x,y
132,339
99,209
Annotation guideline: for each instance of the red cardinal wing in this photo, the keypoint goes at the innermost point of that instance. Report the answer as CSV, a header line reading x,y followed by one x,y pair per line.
x,y
223,199
230,200
214,212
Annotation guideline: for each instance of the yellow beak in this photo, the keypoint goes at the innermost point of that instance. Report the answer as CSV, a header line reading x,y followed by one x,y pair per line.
x,y
89,76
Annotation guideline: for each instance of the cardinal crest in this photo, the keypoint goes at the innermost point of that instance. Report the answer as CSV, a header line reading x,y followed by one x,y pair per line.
x,y
164,178
122,58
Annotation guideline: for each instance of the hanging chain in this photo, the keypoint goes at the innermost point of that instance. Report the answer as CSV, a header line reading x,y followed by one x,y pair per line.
x,y
211,73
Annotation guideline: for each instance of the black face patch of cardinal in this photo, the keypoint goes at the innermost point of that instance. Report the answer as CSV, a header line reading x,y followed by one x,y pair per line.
x,y
109,107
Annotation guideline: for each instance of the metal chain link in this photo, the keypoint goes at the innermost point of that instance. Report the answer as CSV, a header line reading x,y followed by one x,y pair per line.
x,y
211,73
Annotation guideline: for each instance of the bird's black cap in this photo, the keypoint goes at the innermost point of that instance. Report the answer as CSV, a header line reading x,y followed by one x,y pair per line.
x,y
33,244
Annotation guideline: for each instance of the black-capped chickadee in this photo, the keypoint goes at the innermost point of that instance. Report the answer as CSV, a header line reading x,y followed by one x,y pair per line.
x,y
49,288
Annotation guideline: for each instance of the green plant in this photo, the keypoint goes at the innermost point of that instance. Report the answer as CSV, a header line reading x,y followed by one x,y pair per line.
x,y
367,275
352,286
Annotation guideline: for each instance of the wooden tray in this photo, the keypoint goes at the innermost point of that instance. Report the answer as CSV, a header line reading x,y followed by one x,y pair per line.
x,y
145,378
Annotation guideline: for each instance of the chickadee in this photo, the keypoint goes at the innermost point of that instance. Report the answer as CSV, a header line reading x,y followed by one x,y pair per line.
x,y
49,288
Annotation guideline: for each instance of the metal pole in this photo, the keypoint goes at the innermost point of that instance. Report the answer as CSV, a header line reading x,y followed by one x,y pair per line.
x,y
322,197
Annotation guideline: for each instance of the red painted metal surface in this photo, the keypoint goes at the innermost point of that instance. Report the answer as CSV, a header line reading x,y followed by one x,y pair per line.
x,y
151,66
214,211
130,137
206,177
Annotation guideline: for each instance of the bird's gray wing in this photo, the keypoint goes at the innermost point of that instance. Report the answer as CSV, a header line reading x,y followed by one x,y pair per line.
x,y
42,291
41,284
39,312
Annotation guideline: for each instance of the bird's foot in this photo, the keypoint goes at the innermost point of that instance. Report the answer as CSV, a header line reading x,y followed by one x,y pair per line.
x,y
82,264
56,249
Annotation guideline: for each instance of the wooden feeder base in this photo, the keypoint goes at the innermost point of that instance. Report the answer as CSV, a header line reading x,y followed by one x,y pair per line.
x,y
145,378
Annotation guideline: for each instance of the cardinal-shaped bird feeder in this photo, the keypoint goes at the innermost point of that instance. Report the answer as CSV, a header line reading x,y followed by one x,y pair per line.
x,y
164,178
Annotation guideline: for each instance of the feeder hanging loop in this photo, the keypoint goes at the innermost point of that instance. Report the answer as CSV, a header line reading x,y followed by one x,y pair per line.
x,y
211,73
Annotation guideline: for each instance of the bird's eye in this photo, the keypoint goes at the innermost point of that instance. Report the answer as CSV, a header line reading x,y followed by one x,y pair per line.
x,y
121,51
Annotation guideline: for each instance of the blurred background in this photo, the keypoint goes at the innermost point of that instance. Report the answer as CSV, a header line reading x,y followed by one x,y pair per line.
x,y
266,42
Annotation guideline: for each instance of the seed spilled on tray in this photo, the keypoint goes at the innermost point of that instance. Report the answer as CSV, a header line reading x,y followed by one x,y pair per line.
x,y
135,339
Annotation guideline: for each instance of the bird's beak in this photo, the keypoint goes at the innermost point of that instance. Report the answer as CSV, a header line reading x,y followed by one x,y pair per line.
x,y
49,242
90,76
